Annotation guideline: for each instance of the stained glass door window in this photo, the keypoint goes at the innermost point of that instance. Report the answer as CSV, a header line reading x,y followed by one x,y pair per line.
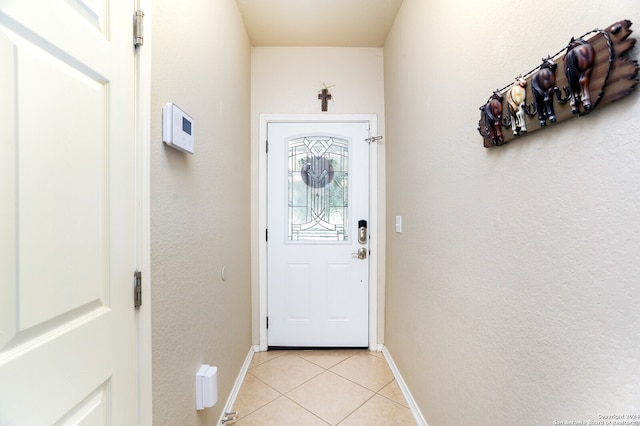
x,y
318,193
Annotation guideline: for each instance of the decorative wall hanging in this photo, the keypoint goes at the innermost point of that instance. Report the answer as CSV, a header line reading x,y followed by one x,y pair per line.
x,y
324,97
594,72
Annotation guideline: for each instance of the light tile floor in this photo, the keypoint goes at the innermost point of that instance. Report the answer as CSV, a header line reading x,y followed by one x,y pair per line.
x,y
321,387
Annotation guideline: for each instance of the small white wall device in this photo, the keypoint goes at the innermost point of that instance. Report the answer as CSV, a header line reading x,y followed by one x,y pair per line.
x,y
206,387
177,128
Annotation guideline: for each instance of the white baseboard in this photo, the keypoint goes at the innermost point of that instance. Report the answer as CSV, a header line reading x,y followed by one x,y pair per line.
x,y
417,414
228,407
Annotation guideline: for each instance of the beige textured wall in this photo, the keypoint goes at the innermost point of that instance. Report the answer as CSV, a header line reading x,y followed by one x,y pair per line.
x,y
512,293
286,80
199,205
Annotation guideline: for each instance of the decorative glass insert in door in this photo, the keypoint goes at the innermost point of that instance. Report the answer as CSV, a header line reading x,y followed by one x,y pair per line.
x,y
318,189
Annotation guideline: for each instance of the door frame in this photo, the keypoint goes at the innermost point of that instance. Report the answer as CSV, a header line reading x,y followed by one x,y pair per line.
x,y
142,138
372,120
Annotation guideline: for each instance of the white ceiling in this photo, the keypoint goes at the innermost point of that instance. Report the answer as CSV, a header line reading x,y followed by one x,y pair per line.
x,y
346,23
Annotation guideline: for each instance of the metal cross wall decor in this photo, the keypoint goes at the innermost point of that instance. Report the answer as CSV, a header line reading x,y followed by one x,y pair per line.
x,y
324,95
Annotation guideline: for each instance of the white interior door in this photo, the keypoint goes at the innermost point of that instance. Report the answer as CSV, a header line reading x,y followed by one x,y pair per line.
x,y
67,229
318,195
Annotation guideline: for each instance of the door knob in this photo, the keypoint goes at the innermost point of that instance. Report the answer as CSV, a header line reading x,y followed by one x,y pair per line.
x,y
361,254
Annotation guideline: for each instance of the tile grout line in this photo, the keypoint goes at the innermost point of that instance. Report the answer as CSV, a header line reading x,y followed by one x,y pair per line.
x,y
323,369
328,370
307,410
356,409
360,384
284,395
390,399
241,415
365,402
355,383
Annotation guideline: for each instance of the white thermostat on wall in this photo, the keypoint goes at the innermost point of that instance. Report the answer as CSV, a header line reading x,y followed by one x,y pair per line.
x,y
177,128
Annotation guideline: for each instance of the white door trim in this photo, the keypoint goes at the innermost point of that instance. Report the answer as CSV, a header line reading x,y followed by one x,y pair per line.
x,y
143,219
372,119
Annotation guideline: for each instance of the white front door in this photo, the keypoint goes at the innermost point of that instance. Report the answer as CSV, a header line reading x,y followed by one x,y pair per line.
x,y
67,228
317,266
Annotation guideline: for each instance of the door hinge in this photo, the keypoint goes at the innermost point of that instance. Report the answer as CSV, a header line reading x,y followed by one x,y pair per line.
x,y
138,30
267,144
267,323
137,289
266,233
